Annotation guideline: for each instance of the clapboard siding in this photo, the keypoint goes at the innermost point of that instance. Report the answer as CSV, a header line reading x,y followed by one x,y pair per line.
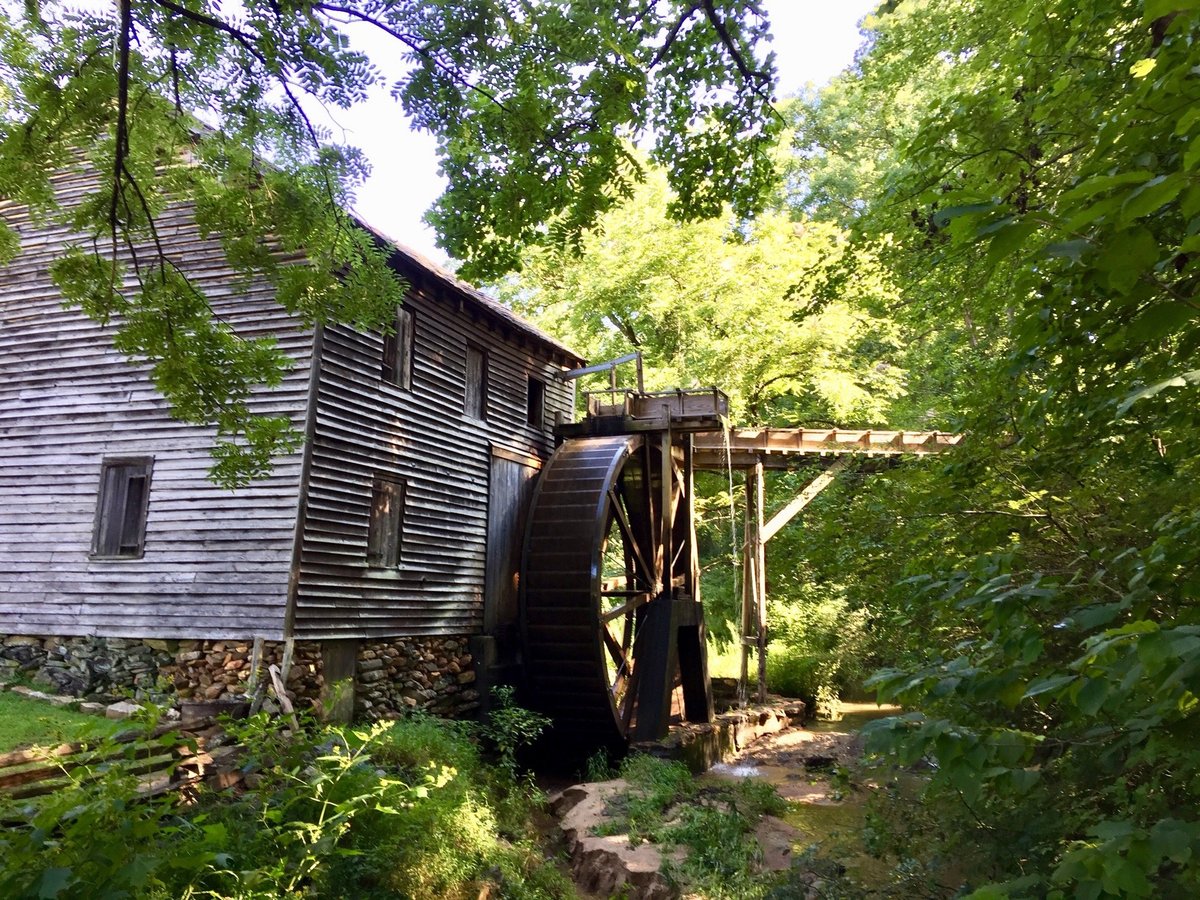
x,y
366,426
216,563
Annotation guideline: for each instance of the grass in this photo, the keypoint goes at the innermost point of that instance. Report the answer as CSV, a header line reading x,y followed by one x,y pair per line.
x,y
25,722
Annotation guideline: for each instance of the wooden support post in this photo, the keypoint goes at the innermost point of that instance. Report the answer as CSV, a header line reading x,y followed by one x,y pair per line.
x,y
659,627
749,589
760,581
692,639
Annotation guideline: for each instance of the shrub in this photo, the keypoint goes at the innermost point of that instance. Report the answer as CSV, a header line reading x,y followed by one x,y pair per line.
x,y
817,650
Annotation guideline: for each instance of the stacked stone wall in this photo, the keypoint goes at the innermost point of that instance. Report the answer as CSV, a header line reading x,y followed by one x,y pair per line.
x,y
391,677
431,674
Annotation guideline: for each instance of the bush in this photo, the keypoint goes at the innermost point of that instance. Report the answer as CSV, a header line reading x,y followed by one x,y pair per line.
x,y
401,810
817,650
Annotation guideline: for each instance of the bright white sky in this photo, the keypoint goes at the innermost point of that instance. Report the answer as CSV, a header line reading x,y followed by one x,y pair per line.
x,y
814,40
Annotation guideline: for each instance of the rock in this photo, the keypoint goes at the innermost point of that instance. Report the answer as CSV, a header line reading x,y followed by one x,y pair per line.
x,y
33,694
466,677
776,838
19,640
214,690
92,708
608,865
122,709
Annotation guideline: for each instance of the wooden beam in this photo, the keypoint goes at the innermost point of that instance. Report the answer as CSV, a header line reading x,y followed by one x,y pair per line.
x,y
760,583
806,496
749,592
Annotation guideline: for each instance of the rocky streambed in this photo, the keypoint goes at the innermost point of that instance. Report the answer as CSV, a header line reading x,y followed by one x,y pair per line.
x,y
806,835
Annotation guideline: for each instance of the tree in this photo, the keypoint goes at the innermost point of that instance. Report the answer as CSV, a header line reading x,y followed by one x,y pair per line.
x,y
723,304
1042,588
534,106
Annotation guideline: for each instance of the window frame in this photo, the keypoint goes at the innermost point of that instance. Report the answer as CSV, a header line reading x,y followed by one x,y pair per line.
x,y
399,348
535,403
383,554
481,389
113,492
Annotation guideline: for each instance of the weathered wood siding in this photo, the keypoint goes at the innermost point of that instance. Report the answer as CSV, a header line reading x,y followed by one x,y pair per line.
x,y
216,562
366,426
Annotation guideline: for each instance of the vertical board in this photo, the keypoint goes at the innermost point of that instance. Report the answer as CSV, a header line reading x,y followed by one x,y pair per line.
x,y
509,493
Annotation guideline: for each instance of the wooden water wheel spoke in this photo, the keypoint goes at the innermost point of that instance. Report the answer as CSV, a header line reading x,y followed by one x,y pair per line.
x,y
629,606
631,542
615,650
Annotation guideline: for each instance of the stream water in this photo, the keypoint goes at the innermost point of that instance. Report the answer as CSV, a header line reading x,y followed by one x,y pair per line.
x,y
828,814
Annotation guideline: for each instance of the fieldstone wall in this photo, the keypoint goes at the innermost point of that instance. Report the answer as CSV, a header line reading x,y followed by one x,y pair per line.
x,y
391,677
220,670
92,667
431,674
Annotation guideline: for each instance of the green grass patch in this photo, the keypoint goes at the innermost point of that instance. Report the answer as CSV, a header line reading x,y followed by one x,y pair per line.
x,y
25,722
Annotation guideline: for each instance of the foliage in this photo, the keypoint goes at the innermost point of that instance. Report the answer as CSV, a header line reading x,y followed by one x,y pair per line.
x,y
817,650
510,727
25,722
185,101
399,809
1039,194
697,298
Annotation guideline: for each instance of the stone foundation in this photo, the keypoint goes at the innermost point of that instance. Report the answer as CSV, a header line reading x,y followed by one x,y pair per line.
x,y
391,677
432,674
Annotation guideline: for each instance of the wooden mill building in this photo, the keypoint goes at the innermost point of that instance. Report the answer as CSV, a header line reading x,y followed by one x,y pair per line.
x,y
392,535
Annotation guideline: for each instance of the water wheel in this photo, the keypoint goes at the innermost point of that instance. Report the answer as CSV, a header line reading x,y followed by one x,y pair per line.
x,y
610,611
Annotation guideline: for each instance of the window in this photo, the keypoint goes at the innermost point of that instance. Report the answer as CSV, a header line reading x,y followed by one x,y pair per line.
x,y
387,522
120,530
476,398
535,403
398,350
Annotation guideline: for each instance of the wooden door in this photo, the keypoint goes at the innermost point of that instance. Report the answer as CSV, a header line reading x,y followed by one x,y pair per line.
x,y
509,493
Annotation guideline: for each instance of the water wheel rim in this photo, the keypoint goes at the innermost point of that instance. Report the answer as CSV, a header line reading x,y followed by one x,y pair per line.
x,y
608,652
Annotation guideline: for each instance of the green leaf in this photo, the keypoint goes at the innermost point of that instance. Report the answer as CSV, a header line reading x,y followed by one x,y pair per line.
x,y
1126,257
1143,67
1191,156
1151,196
1007,241
1050,684
1098,184
1183,380
1072,250
53,882
944,217
1156,9
1159,321
1092,696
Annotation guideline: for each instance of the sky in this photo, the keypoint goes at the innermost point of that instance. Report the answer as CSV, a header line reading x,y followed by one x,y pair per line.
x,y
813,41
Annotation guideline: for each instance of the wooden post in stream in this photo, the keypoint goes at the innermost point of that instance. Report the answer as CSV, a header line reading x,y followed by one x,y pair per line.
x,y
760,581
754,589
